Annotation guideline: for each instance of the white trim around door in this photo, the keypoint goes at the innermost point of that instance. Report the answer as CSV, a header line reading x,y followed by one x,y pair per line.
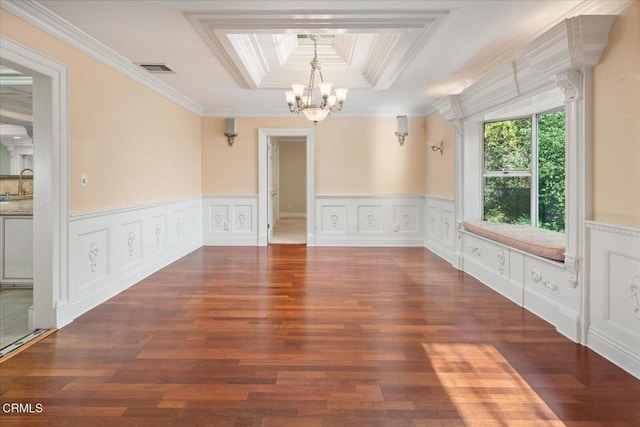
x,y
263,139
51,181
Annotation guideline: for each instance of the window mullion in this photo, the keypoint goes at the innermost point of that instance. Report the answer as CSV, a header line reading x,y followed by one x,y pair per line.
x,y
534,171
506,173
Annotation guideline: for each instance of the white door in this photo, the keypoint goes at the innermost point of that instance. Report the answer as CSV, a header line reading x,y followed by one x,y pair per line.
x,y
271,192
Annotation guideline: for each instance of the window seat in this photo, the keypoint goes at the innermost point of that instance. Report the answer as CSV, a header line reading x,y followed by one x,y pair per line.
x,y
545,243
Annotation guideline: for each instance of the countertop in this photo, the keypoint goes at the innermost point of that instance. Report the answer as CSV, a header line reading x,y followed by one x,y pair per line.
x,y
16,206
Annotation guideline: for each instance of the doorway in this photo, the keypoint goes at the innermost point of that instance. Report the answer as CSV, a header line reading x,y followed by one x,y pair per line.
x,y
288,168
278,150
50,181
16,207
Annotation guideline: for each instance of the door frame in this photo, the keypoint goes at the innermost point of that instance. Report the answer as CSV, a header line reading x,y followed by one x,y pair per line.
x,y
264,134
51,181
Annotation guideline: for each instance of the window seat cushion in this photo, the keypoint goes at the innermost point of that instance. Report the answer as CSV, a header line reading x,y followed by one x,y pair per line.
x,y
537,241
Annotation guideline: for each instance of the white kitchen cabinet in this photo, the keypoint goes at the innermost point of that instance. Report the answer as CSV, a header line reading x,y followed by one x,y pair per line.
x,y
16,250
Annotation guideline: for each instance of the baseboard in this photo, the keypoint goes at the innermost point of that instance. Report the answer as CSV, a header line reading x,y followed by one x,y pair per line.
x,y
134,276
441,250
369,241
613,351
114,249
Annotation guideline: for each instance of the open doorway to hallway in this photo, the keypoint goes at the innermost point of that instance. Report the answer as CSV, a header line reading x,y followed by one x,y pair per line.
x,y
16,206
267,201
48,249
289,193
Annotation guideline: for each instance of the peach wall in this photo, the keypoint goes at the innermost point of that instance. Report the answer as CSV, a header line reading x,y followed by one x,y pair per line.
x,y
135,145
292,188
616,124
440,169
353,156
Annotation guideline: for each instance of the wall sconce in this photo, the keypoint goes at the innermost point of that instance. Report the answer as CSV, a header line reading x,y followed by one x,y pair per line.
x,y
230,130
402,128
436,147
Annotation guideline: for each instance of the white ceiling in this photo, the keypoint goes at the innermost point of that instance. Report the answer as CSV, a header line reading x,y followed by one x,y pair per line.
x,y
396,57
15,97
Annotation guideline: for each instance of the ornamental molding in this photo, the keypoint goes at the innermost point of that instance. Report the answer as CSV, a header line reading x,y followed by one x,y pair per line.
x,y
406,218
634,286
333,219
446,225
131,240
571,84
370,219
573,44
474,250
572,265
501,260
93,256
179,227
242,219
158,233
459,229
536,277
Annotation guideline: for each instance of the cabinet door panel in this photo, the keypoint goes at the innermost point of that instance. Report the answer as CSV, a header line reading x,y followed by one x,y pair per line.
x,y
18,248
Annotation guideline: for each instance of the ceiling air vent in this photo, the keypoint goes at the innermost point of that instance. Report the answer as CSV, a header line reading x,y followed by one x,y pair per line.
x,y
157,68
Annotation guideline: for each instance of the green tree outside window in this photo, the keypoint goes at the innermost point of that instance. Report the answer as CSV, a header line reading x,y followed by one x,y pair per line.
x,y
510,150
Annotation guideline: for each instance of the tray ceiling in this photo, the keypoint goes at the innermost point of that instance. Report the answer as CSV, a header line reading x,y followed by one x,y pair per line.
x,y
365,50
234,58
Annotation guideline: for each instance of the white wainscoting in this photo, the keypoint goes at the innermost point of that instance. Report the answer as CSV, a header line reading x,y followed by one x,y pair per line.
x,y
230,220
440,236
614,294
542,286
369,220
111,250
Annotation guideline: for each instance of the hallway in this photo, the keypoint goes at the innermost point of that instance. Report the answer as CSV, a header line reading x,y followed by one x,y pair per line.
x,y
290,231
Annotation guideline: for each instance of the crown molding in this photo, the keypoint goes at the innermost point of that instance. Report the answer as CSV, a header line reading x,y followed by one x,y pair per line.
x,y
396,35
571,45
271,112
449,107
47,21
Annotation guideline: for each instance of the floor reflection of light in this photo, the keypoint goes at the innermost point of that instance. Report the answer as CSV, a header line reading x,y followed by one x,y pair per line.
x,y
485,388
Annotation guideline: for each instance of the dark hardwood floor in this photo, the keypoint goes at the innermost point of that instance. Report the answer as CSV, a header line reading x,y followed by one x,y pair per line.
x,y
296,336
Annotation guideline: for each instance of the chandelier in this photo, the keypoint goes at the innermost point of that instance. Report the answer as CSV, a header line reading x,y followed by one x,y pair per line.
x,y
330,103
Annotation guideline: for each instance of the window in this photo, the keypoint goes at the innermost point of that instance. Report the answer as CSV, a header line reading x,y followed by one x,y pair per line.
x,y
523,174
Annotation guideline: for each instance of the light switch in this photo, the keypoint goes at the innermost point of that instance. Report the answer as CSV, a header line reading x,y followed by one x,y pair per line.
x,y
84,181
